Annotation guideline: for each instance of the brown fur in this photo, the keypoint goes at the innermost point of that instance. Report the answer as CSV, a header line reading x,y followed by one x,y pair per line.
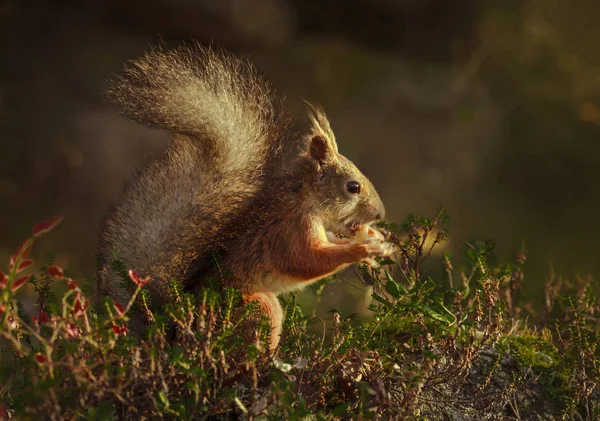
x,y
226,185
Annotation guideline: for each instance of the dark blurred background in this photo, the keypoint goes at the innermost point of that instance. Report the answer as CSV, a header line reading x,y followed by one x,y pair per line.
x,y
491,108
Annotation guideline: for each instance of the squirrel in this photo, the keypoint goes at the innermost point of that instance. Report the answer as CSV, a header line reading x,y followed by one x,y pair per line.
x,y
281,207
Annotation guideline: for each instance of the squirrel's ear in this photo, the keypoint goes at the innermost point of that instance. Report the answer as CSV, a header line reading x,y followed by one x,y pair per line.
x,y
319,149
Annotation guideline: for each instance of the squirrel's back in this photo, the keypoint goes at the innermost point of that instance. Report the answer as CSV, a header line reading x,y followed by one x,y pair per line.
x,y
228,128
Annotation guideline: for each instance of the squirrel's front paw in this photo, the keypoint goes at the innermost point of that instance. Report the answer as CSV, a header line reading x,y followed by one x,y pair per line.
x,y
378,249
367,233
375,249
373,244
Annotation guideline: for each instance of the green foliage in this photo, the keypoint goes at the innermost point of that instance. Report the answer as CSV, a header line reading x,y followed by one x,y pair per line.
x,y
427,351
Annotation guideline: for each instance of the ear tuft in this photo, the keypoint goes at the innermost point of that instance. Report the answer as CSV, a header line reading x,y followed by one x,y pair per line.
x,y
321,126
319,148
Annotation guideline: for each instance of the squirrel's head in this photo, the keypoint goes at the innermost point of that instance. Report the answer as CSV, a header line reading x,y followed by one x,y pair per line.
x,y
342,194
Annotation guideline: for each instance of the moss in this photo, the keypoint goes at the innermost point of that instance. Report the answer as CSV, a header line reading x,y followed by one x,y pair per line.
x,y
533,351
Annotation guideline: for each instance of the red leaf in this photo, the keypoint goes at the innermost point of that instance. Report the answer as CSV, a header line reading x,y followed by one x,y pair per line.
x,y
80,308
2,308
72,284
26,250
56,272
46,226
120,309
72,330
118,330
24,265
41,359
3,280
19,282
43,317
137,279
22,250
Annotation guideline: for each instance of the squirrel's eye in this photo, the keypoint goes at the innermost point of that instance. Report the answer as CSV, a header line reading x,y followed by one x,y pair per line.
x,y
353,187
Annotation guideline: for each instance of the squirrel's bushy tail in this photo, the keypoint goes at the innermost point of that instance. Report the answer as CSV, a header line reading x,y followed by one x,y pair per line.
x,y
215,99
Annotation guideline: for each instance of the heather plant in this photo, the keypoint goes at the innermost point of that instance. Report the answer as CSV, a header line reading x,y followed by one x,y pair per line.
x,y
463,346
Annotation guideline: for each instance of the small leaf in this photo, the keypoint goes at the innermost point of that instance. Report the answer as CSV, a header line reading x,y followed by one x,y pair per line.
x,y
429,354
179,409
24,248
163,399
80,307
176,353
19,282
279,364
137,279
119,330
119,309
240,405
382,300
435,315
387,262
55,271
428,286
340,409
24,265
46,226
443,310
72,330
72,284
43,317
40,359
392,288
403,290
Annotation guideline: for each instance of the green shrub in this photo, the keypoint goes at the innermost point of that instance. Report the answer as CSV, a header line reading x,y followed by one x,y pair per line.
x,y
469,351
